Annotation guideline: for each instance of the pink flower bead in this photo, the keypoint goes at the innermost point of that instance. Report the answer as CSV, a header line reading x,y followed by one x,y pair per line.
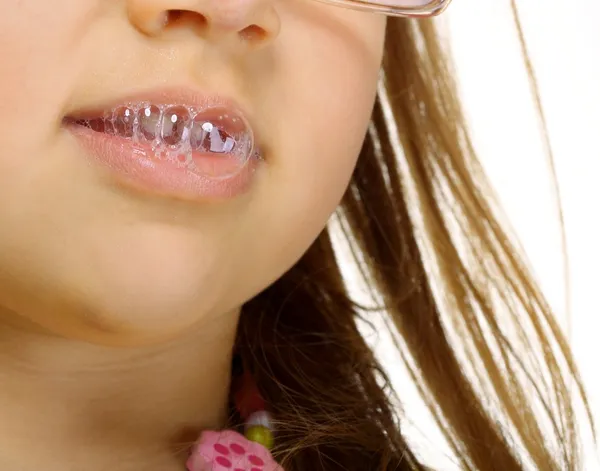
x,y
229,451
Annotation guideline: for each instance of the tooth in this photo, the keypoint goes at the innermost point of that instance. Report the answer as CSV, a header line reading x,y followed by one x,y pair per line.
x,y
108,123
197,134
220,141
123,119
148,118
207,137
174,125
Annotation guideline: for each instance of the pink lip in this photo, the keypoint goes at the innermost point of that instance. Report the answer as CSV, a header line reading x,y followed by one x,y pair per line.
x,y
135,165
173,95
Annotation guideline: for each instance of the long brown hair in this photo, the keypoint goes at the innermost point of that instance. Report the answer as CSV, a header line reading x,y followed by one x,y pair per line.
x,y
425,234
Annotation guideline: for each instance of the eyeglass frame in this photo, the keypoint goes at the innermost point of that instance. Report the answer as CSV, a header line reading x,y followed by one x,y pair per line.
x,y
435,8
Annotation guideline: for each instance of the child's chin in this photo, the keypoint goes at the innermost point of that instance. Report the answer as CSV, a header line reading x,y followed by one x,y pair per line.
x,y
121,325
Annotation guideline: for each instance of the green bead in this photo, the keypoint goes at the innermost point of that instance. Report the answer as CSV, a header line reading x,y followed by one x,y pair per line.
x,y
260,434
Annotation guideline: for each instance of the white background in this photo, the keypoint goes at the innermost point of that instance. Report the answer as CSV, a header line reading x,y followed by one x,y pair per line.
x,y
564,41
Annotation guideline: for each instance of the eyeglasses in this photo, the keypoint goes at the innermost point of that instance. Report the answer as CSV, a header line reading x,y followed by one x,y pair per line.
x,y
403,8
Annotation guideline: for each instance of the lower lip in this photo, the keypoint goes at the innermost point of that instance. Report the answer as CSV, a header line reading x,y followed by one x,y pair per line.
x,y
134,165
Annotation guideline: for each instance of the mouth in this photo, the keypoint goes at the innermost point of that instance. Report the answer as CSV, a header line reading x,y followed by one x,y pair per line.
x,y
172,142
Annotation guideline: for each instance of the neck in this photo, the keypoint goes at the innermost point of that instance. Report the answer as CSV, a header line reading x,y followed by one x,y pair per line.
x,y
117,403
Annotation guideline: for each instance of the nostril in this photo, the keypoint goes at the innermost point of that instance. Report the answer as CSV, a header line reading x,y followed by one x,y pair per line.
x,y
174,15
179,17
253,33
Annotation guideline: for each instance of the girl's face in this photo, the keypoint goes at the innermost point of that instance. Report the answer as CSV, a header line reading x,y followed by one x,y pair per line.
x,y
88,255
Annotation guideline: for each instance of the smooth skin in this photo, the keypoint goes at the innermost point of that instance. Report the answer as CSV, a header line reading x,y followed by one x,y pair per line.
x,y
118,310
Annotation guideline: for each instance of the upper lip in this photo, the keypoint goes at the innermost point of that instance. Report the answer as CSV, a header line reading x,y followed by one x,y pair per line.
x,y
182,96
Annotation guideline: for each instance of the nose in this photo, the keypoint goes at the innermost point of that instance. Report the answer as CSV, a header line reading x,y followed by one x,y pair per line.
x,y
254,21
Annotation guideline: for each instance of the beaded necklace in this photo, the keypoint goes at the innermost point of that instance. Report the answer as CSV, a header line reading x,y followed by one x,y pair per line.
x,y
229,450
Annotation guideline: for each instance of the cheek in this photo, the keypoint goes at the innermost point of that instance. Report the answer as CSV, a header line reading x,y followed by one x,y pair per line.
x,y
325,104
329,98
37,46
334,92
